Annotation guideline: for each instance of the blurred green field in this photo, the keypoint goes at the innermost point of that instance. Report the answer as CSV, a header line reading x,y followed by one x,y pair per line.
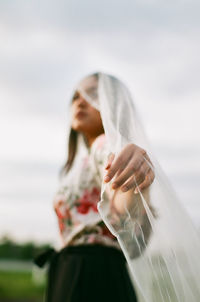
x,y
20,286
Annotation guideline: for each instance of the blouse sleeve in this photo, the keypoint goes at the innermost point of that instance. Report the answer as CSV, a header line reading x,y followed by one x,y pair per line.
x,y
140,225
100,153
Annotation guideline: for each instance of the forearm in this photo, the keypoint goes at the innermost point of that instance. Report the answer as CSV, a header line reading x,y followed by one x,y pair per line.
x,y
123,202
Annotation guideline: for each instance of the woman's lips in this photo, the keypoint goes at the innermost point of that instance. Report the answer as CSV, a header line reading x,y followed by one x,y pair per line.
x,y
80,114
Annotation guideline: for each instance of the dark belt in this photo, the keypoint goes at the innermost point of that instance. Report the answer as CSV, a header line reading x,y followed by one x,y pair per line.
x,y
44,257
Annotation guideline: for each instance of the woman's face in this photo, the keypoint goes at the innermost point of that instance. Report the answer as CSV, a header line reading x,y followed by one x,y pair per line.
x,y
85,118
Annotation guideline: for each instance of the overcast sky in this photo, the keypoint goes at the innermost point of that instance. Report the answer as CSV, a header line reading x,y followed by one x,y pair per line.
x,y
46,47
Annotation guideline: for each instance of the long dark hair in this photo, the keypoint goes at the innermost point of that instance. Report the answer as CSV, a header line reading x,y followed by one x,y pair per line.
x,y
72,141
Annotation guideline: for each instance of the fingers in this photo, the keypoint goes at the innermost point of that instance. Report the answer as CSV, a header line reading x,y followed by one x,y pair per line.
x,y
119,163
116,165
137,178
148,160
137,166
132,168
111,157
132,182
149,178
139,181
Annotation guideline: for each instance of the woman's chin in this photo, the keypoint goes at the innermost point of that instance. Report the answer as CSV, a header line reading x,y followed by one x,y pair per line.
x,y
79,127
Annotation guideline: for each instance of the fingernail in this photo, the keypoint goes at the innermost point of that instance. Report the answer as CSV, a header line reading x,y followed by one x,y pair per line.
x,y
106,178
124,189
114,186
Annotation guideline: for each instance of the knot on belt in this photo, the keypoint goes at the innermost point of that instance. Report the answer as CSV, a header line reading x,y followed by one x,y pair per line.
x,y
45,256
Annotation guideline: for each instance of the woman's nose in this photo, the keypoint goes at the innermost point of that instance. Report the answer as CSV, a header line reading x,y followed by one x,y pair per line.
x,y
82,101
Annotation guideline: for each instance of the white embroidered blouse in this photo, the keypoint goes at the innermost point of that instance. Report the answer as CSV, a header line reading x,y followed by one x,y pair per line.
x,y
75,201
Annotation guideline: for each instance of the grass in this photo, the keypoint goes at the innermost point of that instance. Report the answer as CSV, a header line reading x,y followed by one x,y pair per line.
x,y
20,286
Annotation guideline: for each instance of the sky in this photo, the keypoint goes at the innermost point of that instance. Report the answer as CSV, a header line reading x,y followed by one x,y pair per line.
x,y
46,48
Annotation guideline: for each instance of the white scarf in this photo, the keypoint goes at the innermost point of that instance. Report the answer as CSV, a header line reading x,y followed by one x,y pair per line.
x,y
159,241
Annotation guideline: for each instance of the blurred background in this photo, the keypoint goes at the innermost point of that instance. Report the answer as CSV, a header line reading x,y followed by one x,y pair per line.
x,y
46,48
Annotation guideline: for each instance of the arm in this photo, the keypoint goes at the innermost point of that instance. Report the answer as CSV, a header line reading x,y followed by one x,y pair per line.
x,y
130,214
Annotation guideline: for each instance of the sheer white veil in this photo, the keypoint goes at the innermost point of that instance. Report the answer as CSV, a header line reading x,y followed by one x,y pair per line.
x,y
158,239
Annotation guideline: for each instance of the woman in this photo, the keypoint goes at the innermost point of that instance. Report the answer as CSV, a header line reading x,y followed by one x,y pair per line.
x,y
91,266
110,201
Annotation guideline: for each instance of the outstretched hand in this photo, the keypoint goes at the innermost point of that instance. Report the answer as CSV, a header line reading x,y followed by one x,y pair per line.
x,y
132,169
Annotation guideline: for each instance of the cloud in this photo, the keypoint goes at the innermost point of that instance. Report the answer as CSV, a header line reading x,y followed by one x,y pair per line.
x,y
91,16
48,46
29,221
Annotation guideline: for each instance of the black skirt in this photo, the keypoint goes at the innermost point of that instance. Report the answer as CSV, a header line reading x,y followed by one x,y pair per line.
x,y
89,273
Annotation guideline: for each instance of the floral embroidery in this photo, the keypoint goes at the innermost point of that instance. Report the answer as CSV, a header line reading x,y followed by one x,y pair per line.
x,y
76,200
88,201
63,213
